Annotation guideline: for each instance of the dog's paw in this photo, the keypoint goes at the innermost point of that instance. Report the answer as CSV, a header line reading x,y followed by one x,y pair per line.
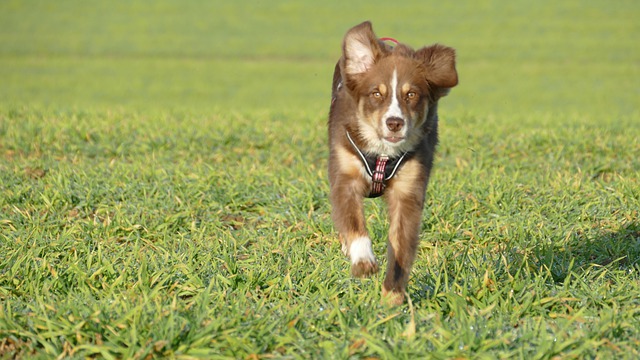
x,y
392,298
364,268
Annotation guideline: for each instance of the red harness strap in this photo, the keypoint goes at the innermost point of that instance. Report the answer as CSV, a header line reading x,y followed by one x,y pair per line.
x,y
389,39
377,178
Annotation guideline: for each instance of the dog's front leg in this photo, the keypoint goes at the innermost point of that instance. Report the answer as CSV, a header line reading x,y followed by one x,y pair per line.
x,y
405,205
348,217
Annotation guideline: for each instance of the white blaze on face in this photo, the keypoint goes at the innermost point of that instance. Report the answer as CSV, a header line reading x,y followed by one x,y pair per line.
x,y
361,250
394,108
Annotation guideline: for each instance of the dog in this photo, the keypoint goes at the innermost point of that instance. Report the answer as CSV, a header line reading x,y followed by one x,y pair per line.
x,y
383,131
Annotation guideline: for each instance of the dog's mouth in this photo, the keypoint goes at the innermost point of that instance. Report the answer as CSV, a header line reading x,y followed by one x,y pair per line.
x,y
394,139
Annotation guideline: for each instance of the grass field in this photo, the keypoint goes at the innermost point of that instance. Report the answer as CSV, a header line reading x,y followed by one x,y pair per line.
x,y
163,187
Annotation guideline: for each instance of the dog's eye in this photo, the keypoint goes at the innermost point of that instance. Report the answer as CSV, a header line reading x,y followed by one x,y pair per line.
x,y
411,96
376,94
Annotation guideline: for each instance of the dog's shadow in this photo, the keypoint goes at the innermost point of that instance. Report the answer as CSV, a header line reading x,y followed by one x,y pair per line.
x,y
556,260
619,249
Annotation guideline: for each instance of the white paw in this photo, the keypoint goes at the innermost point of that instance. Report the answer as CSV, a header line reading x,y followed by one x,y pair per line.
x,y
361,251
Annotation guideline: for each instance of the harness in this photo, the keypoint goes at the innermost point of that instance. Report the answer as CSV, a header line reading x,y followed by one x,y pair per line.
x,y
384,168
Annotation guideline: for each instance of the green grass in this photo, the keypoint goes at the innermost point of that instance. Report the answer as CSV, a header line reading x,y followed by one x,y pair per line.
x,y
163,186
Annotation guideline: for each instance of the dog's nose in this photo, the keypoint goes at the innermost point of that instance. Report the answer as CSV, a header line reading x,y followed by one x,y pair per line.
x,y
395,123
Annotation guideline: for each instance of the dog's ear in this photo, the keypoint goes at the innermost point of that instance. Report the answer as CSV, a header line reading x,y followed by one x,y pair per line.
x,y
360,50
440,63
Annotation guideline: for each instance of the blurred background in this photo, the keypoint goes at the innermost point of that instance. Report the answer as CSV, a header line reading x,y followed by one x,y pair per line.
x,y
577,57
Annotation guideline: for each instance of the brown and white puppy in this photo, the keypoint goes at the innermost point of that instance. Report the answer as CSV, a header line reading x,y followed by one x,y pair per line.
x,y
383,131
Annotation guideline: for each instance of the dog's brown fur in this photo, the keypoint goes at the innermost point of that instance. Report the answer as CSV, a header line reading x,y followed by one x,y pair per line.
x,y
363,105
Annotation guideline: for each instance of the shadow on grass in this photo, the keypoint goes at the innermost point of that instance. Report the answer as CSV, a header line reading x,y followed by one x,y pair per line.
x,y
614,249
548,262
